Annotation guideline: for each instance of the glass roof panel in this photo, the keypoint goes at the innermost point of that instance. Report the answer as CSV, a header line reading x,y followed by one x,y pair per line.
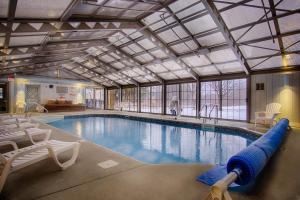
x,y
26,40
189,11
207,70
139,71
241,15
212,39
289,5
109,12
85,9
144,58
273,62
118,39
258,31
118,3
167,76
196,61
158,20
128,50
171,65
146,43
290,42
157,68
141,79
267,48
132,33
130,73
107,58
182,74
41,8
230,67
4,8
222,56
289,23
184,47
118,65
293,59
159,54
206,22
135,48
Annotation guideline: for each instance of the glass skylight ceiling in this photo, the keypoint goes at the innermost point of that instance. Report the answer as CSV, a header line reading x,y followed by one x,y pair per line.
x,y
120,42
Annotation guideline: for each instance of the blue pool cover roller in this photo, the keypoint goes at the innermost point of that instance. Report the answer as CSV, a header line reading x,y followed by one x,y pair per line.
x,y
250,160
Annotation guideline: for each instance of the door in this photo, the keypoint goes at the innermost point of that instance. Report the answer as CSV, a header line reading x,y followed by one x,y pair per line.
x,y
3,98
32,95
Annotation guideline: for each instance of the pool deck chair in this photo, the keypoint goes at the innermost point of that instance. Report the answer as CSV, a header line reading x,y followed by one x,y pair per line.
x,y
18,126
20,158
21,135
14,120
268,116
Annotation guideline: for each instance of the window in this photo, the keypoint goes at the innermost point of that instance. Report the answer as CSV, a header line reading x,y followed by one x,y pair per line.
x,y
234,98
89,97
99,98
129,99
94,98
151,98
188,99
146,99
185,93
156,98
230,97
113,99
172,91
210,96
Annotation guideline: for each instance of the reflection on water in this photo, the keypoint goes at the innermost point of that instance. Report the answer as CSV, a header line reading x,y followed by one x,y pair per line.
x,y
156,143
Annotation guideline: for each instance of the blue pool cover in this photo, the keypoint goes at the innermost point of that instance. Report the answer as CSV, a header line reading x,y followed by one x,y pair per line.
x,y
250,160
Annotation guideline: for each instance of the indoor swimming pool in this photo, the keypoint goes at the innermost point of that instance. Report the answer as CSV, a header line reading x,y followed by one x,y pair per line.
x,y
157,142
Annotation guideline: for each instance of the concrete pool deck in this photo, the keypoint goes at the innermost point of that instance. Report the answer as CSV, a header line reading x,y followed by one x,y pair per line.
x,y
131,179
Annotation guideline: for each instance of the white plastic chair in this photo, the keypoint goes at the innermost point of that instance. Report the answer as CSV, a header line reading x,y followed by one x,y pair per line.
x,y
22,135
20,158
268,116
15,120
7,127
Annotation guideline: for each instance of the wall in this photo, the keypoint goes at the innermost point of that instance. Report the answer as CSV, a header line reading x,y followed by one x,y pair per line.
x,y
76,89
283,88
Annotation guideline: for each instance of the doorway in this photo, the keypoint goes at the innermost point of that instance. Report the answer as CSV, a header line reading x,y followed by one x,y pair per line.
x,y
3,97
32,95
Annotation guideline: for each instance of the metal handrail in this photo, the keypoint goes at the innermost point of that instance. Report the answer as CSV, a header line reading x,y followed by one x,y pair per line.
x,y
217,113
204,118
30,104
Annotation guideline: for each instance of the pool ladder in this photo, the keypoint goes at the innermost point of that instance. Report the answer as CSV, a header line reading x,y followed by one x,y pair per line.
x,y
209,117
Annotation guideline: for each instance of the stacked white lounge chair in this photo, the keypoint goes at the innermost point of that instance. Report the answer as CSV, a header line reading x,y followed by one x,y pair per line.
x,y
15,129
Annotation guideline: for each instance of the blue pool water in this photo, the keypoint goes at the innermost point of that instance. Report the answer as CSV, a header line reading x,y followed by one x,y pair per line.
x,y
153,142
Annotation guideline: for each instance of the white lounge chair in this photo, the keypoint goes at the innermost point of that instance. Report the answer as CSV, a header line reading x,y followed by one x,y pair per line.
x,y
29,133
10,116
14,120
25,125
20,158
268,116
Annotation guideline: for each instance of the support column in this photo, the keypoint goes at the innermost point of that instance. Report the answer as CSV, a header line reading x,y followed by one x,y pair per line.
x,y
248,99
164,98
198,98
105,99
138,98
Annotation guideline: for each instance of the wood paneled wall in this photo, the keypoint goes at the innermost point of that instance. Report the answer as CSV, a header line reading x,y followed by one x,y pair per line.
x,y
283,88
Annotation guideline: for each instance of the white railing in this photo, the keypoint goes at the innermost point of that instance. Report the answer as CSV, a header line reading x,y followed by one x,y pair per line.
x,y
204,118
38,107
216,108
